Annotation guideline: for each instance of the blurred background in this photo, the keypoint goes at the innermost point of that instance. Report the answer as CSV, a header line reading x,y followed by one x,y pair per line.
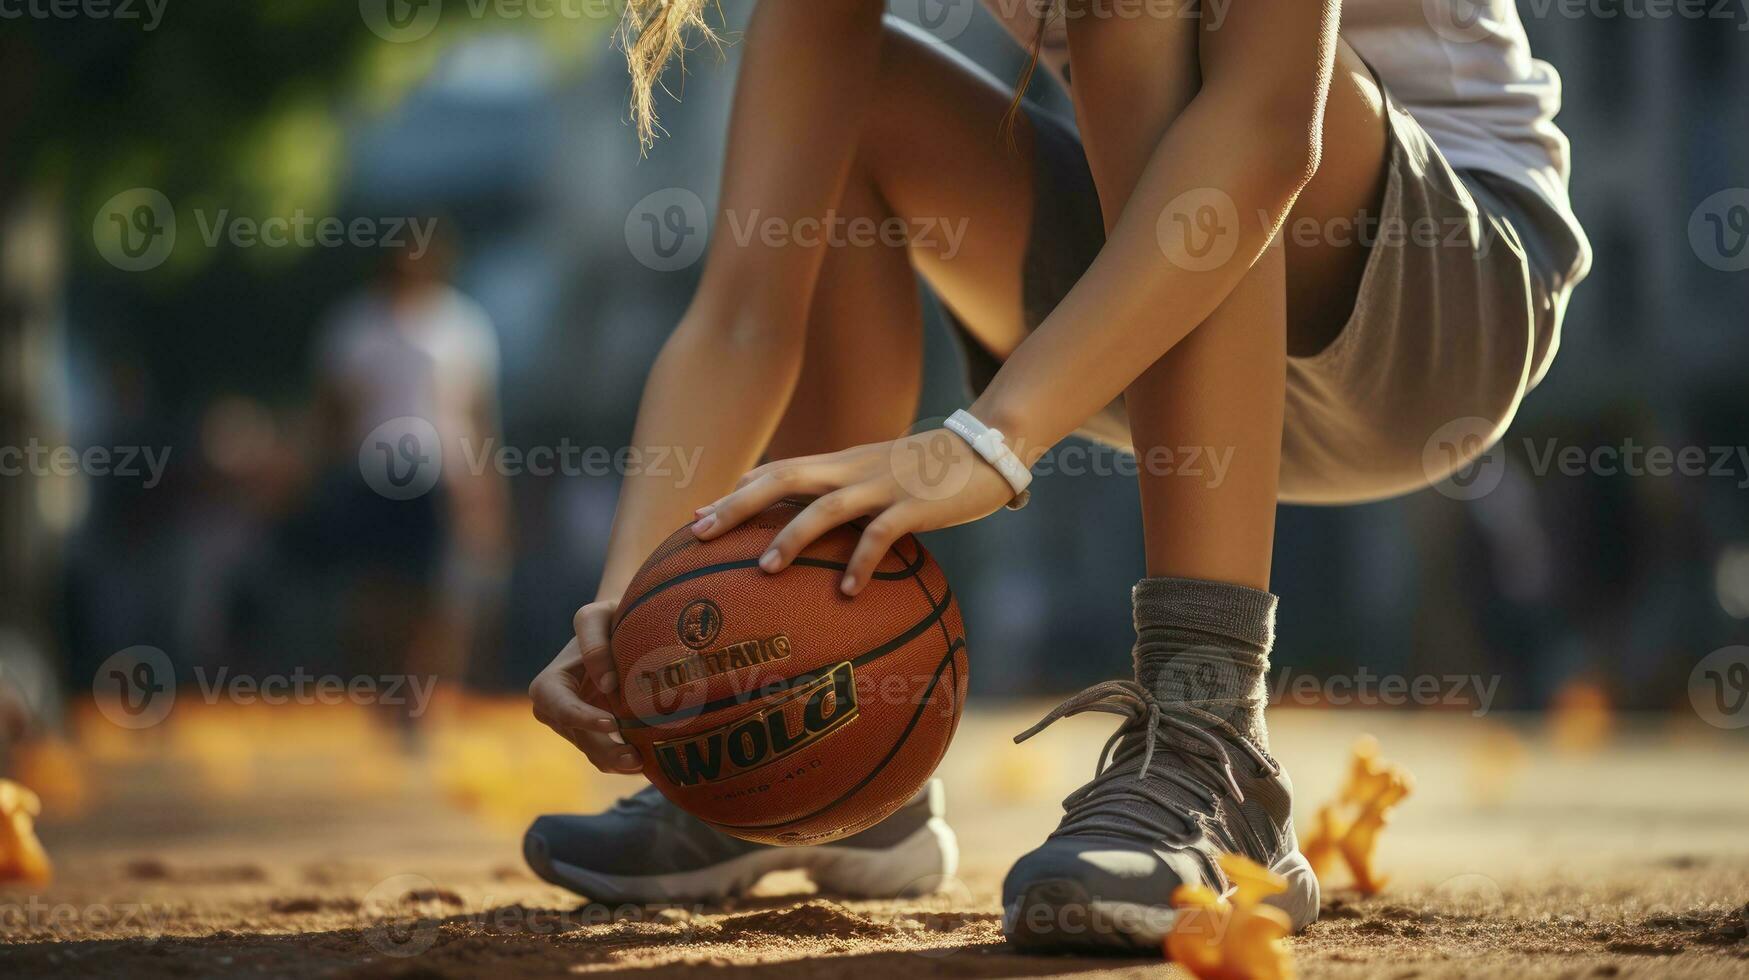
x,y
209,212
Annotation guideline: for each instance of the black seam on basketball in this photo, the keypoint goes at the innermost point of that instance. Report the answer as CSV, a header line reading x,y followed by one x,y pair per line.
x,y
908,571
779,685
922,703
945,635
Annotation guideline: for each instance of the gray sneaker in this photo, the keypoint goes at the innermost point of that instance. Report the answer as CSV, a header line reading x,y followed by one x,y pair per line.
x,y
1176,786
649,851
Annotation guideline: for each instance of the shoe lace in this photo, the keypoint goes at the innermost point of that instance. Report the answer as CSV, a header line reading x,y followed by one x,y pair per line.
x,y
1121,799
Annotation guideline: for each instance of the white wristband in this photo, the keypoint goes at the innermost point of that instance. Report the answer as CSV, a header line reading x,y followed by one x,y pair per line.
x,y
993,447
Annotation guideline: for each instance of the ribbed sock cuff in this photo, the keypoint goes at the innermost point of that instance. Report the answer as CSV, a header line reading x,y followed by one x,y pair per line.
x,y
1206,644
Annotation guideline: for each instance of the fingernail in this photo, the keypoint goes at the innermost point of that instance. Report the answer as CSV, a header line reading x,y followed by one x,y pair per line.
x,y
608,684
706,509
616,738
770,560
848,586
630,760
704,524
607,725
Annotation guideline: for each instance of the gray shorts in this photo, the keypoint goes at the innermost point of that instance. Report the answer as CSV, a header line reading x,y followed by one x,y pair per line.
x,y
1457,316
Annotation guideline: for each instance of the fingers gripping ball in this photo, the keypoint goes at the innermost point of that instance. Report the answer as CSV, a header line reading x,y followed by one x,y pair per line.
x,y
774,707
22,857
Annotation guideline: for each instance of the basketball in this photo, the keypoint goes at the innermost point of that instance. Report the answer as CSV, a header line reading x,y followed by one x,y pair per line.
x,y
774,707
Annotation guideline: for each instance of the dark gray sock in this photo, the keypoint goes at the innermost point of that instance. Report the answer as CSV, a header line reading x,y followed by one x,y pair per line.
x,y
1206,644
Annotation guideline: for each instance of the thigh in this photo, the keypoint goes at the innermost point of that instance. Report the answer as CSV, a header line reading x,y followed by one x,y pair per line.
x,y
933,164
862,364
936,147
1326,248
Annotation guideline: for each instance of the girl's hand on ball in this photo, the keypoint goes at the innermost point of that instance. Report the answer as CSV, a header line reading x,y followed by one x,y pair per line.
x,y
585,665
919,483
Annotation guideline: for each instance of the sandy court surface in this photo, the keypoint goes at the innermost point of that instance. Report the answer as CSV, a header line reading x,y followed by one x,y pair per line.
x,y
300,845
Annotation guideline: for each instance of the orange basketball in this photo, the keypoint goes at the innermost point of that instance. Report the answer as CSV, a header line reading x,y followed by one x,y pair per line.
x,y
774,707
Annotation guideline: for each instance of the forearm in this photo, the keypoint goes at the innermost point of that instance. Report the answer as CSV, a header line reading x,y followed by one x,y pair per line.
x,y
710,406
1139,298
1223,122
806,78
722,382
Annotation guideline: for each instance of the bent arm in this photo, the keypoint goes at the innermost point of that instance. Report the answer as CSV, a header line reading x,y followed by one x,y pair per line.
x,y
1239,154
723,379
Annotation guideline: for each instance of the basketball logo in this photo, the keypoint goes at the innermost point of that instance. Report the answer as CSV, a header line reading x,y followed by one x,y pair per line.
x,y
700,622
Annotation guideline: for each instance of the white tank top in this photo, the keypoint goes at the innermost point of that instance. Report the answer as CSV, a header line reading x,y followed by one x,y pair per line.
x,y
1462,68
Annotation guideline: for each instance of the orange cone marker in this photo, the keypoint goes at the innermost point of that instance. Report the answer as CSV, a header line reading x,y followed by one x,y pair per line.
x,y
1235,936
22,857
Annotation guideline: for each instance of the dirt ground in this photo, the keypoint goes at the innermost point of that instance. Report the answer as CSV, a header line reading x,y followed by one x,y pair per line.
x,y
289,844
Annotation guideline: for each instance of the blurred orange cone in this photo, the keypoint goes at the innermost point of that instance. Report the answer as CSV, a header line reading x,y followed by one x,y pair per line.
x,y
22,857
1232,937
1350,825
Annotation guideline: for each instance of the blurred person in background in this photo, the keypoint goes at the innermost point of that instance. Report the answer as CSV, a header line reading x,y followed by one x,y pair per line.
x,y
1197,270
408,359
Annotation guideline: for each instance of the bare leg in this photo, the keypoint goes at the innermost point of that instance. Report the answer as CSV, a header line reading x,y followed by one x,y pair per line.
x,y
1221,390
930,154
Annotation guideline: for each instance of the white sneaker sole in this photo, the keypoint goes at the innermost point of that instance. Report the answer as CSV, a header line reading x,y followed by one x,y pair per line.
x,y
1073,919
919,864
